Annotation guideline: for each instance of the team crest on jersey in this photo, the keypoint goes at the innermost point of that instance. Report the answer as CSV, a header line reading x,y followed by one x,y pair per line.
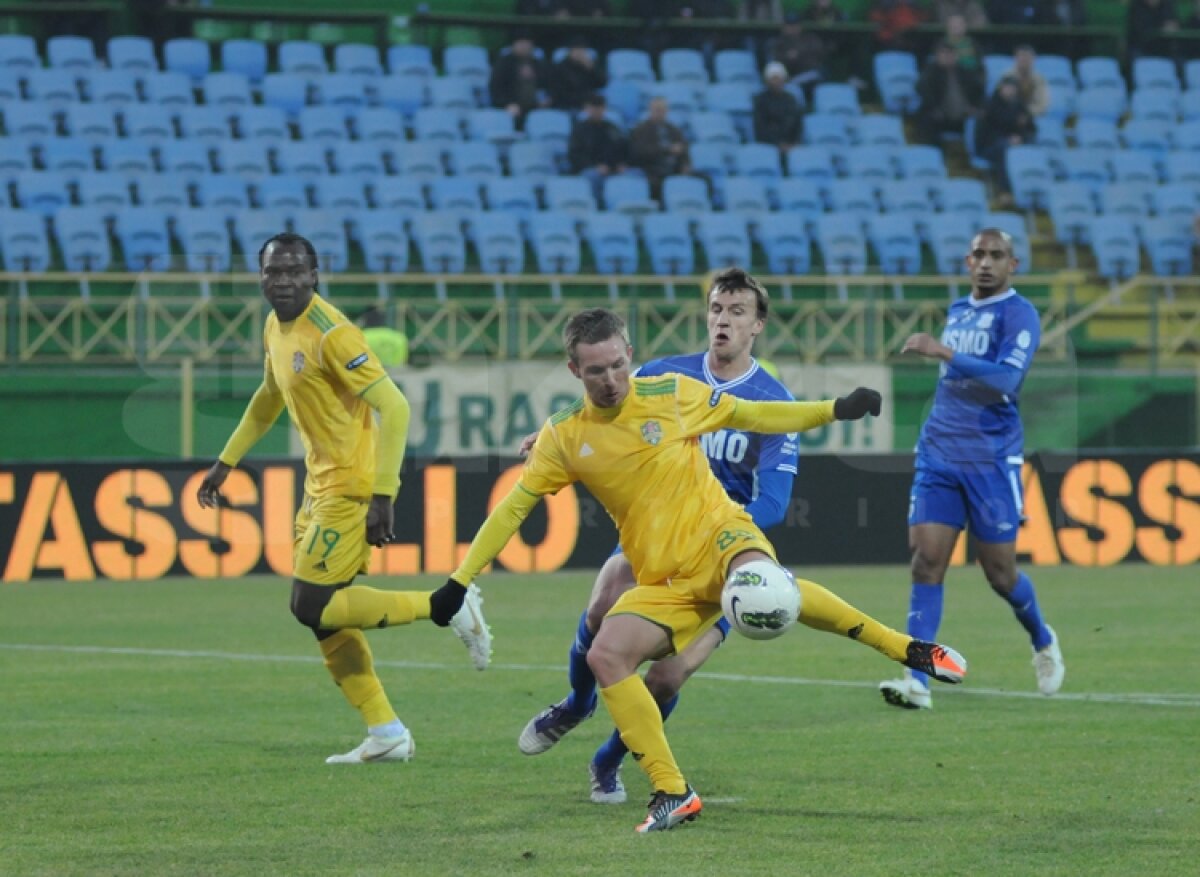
x,y
298,362
652,431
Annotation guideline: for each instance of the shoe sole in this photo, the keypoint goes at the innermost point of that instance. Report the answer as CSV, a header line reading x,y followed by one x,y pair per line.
x,y
674,820
896,698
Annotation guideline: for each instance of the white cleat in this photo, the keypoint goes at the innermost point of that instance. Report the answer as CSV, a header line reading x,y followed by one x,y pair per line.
x,y
468,623
1049,666
378,749
907,693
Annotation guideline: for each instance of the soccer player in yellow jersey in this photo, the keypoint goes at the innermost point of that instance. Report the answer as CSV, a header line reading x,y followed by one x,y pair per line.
x,y
634,443
319,367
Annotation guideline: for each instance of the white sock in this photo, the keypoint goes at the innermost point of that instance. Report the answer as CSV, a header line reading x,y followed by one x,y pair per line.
x,y
391,729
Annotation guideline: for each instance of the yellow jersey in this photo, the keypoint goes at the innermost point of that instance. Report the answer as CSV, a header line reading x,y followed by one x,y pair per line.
x,y
321,365
642,460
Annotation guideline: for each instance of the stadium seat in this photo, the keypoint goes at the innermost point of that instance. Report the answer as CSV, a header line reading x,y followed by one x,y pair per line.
x,y
379,125
357,59
714,126
185,157
148,124
681,101
171,90
492,125
245,158
611,239
1155,73
1100,103
555,243
1071,212
1189,107
630,65
801,199
682,65
71,53
284,193
227,91
1051,135
821,129
813,163
188,56
360,159
918,162
83,238
23,242
625,98
785,241
852,197
836,99
1180,202
533,162
169,193
1097,134
469,63
19,52
404,94
285,91
736,67
384,242
417,60
452,93
569,195
91,122
222,194
69,157
1182,167
871,163
1030,173
142,232
440,243
252,227
1099,71
896,78
746,195
327,232
994,67
1115,247
499,243
896,242
302,159
1136,167
130,157
725,240
1158,105
471,159
513,196
1168,242
842,243
1088,167
302,57
669,244
421,161
204,124
52,88
262,123
1127,200
457,195
15,158
42,192
710,160
1014,225
104,192
1056,69
910,198
877,129
399,194
341,91
204,238
758,160
134,55
10,87
735,100
950,239
629,194
115,88
323,124
686,195
434,124
246,58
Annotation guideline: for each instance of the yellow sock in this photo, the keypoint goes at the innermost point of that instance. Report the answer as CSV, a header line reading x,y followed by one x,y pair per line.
x,y
363,607
824,610
348,658
636,716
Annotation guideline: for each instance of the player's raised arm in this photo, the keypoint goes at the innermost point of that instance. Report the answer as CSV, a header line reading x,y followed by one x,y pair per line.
x,y
262,411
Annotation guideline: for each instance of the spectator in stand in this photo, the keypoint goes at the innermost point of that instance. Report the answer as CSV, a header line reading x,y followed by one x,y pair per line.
x,y
950,94
777,116
658,147
958,36
597,148
971,11
895,20
1032,85
1147,19
575,77
801,52
1006,122
519,80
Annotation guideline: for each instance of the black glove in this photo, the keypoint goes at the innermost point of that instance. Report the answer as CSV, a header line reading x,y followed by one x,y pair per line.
x,y
857,405
445,602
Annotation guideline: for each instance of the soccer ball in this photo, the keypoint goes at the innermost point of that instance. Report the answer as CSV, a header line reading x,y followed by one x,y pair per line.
x,y
761,600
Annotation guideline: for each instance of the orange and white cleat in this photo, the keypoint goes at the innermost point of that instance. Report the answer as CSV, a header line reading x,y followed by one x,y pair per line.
x,y
941,662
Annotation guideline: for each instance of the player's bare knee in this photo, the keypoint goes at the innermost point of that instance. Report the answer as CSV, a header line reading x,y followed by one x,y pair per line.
x,y
927,567
664,680
1002,577
308,602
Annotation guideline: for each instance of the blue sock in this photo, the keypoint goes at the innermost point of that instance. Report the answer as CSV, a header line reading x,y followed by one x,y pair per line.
x,y
582,699
613,749
1025,606
924,617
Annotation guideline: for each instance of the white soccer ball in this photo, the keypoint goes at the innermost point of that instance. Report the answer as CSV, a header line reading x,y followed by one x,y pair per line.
x,y
761,600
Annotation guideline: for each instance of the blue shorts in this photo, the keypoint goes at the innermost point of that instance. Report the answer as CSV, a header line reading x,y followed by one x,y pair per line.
x,y
722,623
984,497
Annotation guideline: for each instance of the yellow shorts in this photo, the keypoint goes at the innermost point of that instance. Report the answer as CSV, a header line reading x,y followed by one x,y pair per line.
x,y
689,604
330,546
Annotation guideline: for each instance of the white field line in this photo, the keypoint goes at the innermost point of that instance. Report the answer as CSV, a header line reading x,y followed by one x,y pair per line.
x,y
1138,698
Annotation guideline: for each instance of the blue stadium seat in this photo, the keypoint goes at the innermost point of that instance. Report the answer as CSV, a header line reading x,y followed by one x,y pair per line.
x,y
492,125
1155,73
682,65
169,193
920,162
405,94
681,100
1136,167
746,195
52,88
851,197
115,88
286,91
1168,242
825,130
613,243
23,242
801,198
837,99
1030,173
1128,200
328,235
785,241
950,239
909,198
204,238
188,56
511,195
422,161
1150,139
455,194
1180,202
399,194
91,122
435,124
83,238
814,163
842,243
736,67
105,192
262,123
625,98
871,163
758,160
878,129
896,242
452,93
185,157
379,125
1191,74
735,100
323,124
42,192
285,193
71,53
227,91
533,162
472,159
204,124
360,159
134,55
1115,247
469,63
1100,103
555,242
551,127
246,58
570,195
15,158
1189,106
628,194
1071,212
1155,104
417,60
244,158
302,57
10,87
725,240
1097,134
994,67
69,157
630,64
711,160
340,90
169,89
1057,71
1088,167
302,159
357,59
384,241
499,243
896,78
129,157
19,52
1051,134
252,228
669,244
440,243
1060,104
686,195
1014,225
714,126
1182,167
145,243
1099,71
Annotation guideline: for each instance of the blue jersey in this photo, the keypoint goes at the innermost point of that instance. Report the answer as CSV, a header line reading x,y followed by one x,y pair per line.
x,y
975,416
744,462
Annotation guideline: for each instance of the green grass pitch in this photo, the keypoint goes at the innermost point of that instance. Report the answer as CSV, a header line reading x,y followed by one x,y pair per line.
x,y
180,728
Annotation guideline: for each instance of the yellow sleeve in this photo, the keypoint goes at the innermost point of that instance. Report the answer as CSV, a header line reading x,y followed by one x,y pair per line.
x,y
501,524
386,398
546,471
346,356
703,409
263,410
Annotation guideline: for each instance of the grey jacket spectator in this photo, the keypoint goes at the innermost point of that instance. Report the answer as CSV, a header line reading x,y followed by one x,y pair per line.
x,y
777,116
950,94
658,147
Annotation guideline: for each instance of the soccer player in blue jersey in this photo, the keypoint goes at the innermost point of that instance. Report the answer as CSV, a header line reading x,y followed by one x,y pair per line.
x,y
755,469
969,456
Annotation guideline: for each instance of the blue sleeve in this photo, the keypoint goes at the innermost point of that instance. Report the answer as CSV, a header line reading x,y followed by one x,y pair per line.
x,y
996,375
774,493
1022,334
